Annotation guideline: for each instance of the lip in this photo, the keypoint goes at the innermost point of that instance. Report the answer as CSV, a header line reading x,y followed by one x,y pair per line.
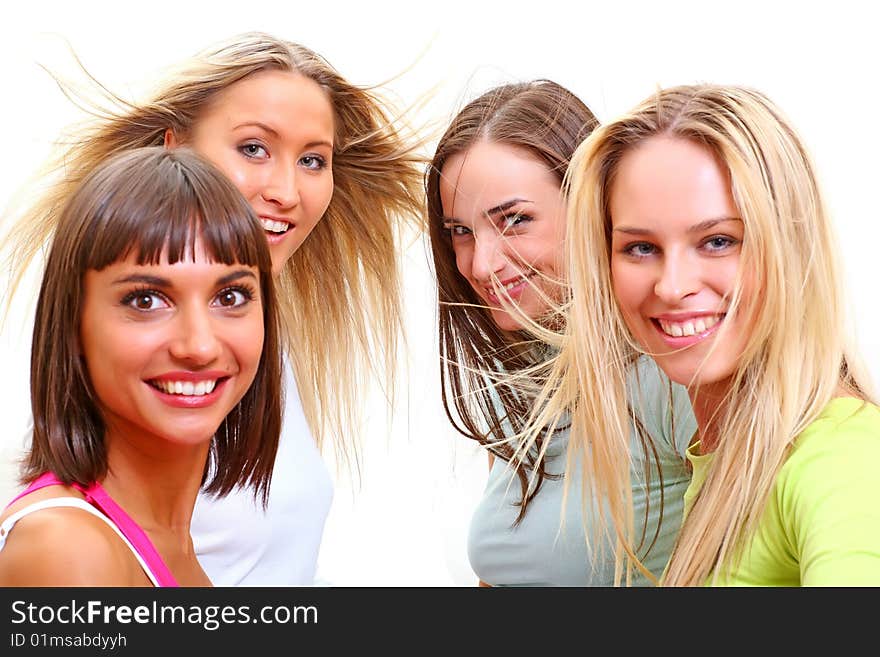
x,y
514,293
275,238
685,340
190,401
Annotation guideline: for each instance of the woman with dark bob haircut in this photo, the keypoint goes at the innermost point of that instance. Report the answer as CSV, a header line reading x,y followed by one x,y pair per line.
x,y
155,373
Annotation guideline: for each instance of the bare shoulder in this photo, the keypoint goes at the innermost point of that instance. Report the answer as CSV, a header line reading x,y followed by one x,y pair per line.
x,y
66,547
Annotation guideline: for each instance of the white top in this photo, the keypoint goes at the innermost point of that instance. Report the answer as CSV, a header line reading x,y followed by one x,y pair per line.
x,y
55,502
239,544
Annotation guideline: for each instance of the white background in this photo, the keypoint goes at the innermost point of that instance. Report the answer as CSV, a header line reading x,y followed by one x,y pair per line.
x,y
406,523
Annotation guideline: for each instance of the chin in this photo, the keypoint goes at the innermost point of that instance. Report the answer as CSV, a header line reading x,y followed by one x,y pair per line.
x,y
505,321
694,374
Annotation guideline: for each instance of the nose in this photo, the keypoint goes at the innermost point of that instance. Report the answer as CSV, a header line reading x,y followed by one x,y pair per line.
x,y
280,186
194,340
679,277
488,257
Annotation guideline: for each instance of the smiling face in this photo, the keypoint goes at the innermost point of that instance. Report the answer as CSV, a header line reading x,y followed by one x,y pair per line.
x,y
675,253
272,135
170,349
506,214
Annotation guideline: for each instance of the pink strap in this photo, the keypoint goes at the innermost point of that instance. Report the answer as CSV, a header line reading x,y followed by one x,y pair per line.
x,y
99,498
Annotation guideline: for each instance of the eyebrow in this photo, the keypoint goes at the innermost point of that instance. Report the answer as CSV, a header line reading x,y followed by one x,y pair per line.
x,y
696,228
503,207
273,132
158,281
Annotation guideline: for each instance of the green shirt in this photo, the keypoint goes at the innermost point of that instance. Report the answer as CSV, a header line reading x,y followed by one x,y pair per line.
x,y
821,525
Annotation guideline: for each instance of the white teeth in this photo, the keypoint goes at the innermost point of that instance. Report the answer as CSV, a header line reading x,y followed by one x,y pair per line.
x,y
274,226
508,286
186,388
689,327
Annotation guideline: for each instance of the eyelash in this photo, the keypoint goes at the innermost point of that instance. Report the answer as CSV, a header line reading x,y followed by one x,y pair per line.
x,y
457,230
629,249
243,149
319,165
519,218
245,290
729,242
516,219
138,293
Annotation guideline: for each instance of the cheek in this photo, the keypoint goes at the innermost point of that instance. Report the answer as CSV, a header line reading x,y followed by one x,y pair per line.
x,y
246,340
246,180
621,285
317,197
629,288
463,259
114,359
722,278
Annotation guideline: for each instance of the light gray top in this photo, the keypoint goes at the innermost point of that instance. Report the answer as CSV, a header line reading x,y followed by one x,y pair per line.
x,y
537,552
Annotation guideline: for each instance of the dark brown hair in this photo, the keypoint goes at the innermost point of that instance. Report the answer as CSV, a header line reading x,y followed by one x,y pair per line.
x,y
339,294
150,203
550,122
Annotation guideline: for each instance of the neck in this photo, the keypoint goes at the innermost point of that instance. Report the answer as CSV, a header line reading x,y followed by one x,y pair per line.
x,y
158,490
709,402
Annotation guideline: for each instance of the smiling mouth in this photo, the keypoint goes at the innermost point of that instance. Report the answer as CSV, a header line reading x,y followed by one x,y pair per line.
x,y
508,287
275,227
688,328
186,388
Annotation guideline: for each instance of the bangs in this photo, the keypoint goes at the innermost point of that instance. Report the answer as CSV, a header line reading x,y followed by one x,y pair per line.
x,y
158,207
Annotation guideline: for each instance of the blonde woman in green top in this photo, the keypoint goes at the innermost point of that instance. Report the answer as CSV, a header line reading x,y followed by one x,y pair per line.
x,y
697,234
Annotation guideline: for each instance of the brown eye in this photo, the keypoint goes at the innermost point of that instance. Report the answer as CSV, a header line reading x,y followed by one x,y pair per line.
x,y
233,297
143,302
227,298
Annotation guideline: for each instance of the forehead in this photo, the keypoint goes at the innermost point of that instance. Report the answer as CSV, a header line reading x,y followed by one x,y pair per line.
x,y
288,102
195,267
669,179
488,174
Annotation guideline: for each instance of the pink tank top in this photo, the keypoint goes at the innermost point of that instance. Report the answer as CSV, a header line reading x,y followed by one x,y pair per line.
x,y
98,497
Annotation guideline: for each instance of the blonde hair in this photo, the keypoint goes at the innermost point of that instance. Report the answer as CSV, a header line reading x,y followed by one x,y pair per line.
x,y
797,356
339,294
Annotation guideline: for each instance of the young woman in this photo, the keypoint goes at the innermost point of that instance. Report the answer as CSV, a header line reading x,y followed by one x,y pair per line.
x,y
497,220
155,354
331,178
697,234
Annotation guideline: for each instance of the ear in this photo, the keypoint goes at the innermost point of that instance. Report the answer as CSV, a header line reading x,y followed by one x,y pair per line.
x,y
171,140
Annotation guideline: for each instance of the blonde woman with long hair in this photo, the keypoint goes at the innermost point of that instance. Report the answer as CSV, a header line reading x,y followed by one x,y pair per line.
x,y
697,234
496,219
332,177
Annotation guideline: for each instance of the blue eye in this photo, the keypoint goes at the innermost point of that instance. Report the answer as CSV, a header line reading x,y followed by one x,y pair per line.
x,y
313,162
640,249
254,150
719,243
